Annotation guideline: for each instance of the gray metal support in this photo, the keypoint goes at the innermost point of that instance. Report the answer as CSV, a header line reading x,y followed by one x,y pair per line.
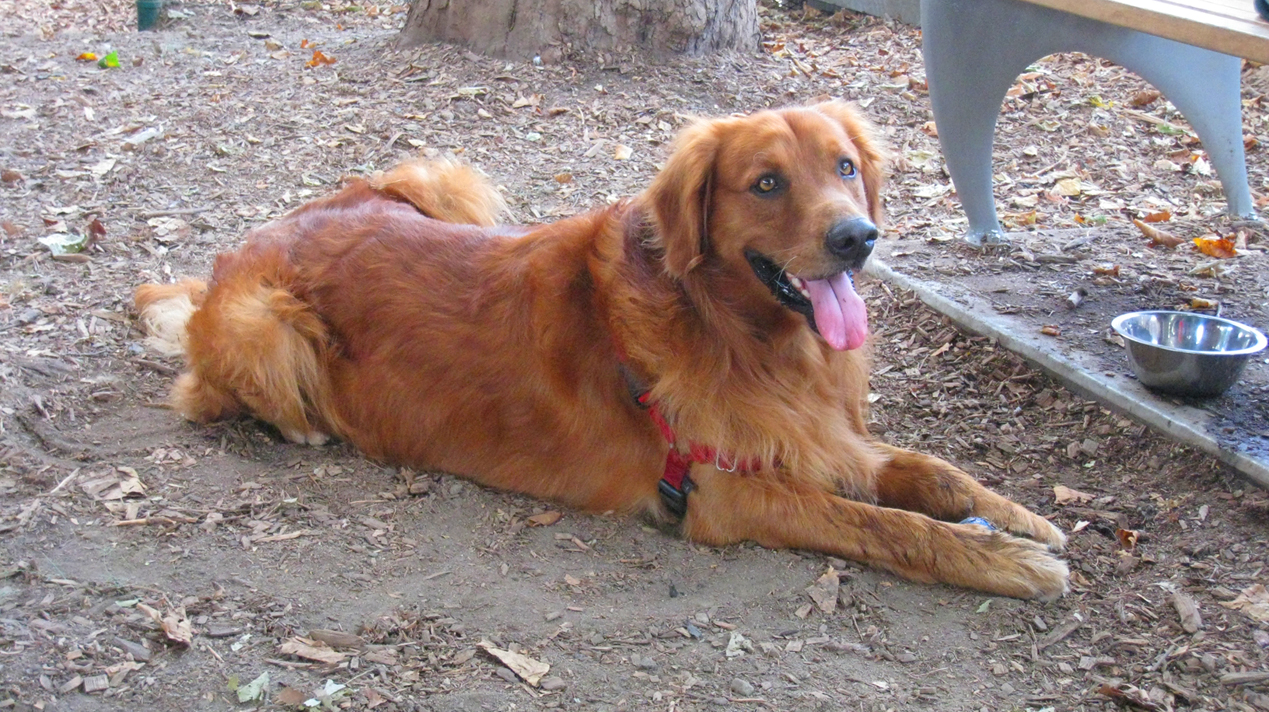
x,y
974,49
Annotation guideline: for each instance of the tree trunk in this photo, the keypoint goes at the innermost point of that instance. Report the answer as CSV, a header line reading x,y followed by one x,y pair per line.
x,y
551,29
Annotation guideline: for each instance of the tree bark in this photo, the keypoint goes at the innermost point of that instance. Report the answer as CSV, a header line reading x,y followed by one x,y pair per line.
x,y
551,29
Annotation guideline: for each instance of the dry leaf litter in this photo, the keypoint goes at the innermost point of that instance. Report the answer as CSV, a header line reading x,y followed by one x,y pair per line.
x,y
152,565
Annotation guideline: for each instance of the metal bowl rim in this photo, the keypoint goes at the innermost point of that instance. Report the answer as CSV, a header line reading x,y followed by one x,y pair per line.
x,y
1261,341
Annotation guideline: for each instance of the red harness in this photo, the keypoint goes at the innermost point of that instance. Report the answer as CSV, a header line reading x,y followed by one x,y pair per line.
x,y
675,484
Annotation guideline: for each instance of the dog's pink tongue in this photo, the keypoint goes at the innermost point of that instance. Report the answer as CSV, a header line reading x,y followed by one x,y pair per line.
x,y
840,314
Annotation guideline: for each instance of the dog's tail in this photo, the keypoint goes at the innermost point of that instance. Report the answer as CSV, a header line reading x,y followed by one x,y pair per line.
x,y
165,310
444,190
251,346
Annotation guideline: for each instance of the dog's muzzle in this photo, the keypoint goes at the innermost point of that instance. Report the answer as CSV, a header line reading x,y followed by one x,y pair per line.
x,y
851,241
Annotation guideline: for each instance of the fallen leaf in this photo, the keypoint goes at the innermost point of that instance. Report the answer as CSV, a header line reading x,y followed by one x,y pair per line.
x,y
1211,268
115,485
96,231
1201,303
933,190
1130,697
290,697
1127,562
1144,97
1215,246
135,141
1110,270
530,670
1157,237
737,645
319,59
175,625
545,519
254,690
64,243
102,167
329,692
1127,538
373,699
1254,601
1160,216
110,61
623,152
1187,610
307,649
1063,495
1051,330
87,57
337,638
383,656
1069,187
824,590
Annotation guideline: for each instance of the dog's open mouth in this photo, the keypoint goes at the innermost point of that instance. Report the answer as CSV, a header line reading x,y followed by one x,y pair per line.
x,y
830,304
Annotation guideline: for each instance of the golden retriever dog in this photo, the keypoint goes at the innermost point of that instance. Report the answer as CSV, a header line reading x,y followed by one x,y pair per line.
x,y
697,352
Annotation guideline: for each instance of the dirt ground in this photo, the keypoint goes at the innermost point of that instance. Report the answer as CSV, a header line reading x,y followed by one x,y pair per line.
x,y
149,565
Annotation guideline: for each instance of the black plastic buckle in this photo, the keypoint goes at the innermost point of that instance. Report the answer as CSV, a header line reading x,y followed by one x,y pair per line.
x,y
675,499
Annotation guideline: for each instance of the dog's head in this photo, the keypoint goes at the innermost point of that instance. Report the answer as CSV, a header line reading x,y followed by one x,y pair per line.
x,y
791,197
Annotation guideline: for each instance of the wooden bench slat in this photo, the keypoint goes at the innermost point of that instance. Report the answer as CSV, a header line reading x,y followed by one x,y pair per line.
x,y
1229,26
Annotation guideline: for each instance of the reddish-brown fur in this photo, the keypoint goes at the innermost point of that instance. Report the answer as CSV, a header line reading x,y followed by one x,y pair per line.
x,y
494,353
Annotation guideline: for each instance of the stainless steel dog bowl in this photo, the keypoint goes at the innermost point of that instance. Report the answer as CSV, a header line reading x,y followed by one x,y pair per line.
x,y
1187,354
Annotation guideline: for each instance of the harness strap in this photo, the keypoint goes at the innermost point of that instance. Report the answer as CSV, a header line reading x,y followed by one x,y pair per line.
x,y
675,484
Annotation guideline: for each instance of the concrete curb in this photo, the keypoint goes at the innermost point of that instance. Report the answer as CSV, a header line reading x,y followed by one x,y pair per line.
x,y
905,11
1183,423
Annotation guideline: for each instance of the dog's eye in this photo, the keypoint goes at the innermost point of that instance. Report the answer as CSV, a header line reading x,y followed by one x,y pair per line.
x,y
846,168
766,185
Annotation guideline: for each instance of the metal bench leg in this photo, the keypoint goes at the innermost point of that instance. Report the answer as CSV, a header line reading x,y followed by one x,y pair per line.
x,y
973,51
1204,87
975,48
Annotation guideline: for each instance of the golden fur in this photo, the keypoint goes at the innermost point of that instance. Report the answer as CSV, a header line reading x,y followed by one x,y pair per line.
x,y
392,315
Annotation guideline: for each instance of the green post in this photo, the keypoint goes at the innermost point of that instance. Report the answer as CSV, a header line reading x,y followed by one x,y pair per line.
x,y
148,13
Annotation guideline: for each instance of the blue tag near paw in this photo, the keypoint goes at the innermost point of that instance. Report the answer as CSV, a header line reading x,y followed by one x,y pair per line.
x,y
980,522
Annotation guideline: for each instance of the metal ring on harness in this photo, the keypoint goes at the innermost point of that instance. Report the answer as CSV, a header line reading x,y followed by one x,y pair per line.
x,y
719,464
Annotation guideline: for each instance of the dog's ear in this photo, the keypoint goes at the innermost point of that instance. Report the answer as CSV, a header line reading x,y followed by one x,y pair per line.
x,y
874,159
680,197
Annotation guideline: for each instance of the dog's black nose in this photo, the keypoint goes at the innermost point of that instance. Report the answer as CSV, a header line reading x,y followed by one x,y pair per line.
x,y
852,239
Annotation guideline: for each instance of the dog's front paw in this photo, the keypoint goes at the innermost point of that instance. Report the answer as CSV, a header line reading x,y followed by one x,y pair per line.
x,y
1022,522
1049,535
1040,529
1032,572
